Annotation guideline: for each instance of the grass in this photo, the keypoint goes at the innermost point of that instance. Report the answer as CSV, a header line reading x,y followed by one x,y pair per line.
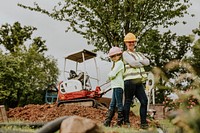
x,y
10,129
167,126
164,123
15,126
135,108
119,130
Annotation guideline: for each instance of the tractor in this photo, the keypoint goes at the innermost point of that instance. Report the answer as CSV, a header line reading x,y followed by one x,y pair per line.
x,y
77,87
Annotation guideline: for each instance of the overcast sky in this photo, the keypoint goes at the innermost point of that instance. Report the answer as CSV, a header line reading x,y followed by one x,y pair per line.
x,y
60,43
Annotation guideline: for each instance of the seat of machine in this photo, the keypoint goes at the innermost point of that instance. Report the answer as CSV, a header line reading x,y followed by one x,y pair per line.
x,y
80,77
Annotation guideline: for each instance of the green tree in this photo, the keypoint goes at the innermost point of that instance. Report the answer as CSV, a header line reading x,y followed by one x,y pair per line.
x,y
25,70
105,22
164,48
195,60
186,118
13,37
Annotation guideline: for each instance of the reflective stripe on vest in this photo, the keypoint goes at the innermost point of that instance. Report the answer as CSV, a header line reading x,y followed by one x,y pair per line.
x,y
133,72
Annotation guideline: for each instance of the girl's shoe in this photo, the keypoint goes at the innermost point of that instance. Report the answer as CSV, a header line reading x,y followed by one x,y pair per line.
x,y
109,117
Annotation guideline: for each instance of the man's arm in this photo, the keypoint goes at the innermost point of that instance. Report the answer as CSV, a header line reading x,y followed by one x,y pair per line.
x,y
131,61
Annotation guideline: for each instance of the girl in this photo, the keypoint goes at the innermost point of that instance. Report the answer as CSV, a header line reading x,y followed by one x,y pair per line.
x,y
117,84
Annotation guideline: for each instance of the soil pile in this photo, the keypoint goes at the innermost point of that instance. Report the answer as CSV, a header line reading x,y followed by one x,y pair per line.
x,y
49,112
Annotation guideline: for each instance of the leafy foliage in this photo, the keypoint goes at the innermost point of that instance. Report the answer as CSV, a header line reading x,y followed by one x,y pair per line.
x,y
105,22
195,60
186,85
13,37
25,71
164,48
188,119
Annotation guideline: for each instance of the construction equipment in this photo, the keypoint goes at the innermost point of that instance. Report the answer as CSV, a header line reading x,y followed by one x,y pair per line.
x,y
150,91
51,94
77,87
150,88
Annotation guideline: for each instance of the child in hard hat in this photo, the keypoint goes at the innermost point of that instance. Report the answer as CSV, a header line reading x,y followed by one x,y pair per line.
x,y
117,84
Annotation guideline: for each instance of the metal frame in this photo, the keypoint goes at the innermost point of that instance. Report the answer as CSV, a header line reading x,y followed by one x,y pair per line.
x,y
81,57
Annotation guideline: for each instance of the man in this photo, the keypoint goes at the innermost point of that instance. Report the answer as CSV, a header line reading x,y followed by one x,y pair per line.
x,y
134,77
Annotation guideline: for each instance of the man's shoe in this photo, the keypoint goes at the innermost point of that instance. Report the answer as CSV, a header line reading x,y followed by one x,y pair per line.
x,y
127,124
144,126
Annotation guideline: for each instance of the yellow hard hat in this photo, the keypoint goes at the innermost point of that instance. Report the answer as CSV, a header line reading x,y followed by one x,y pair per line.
x,y
130,37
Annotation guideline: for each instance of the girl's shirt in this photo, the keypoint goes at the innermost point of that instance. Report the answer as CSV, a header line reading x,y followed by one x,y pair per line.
x,y
116,75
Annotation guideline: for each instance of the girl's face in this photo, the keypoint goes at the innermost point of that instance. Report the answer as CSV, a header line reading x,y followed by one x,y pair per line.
x,y
115,57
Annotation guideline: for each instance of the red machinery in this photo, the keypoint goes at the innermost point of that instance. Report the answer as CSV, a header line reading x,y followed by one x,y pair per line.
x,y
77,88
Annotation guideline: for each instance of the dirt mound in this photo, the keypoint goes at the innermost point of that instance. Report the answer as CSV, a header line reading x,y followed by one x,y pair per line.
x,y
48,112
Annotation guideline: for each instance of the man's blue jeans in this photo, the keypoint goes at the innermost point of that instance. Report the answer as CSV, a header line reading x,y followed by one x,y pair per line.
x,y
135,89
116,100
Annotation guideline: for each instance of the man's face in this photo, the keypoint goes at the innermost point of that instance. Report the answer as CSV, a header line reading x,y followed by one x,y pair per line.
x,y
130,45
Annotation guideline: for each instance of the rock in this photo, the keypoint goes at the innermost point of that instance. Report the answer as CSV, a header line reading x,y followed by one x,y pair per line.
x,y
77,124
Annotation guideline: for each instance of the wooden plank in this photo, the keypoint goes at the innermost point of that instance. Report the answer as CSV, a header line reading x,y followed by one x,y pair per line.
x,y
3,115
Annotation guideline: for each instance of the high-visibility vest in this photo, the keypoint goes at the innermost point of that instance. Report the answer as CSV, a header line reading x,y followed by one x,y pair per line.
x,y
134,72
